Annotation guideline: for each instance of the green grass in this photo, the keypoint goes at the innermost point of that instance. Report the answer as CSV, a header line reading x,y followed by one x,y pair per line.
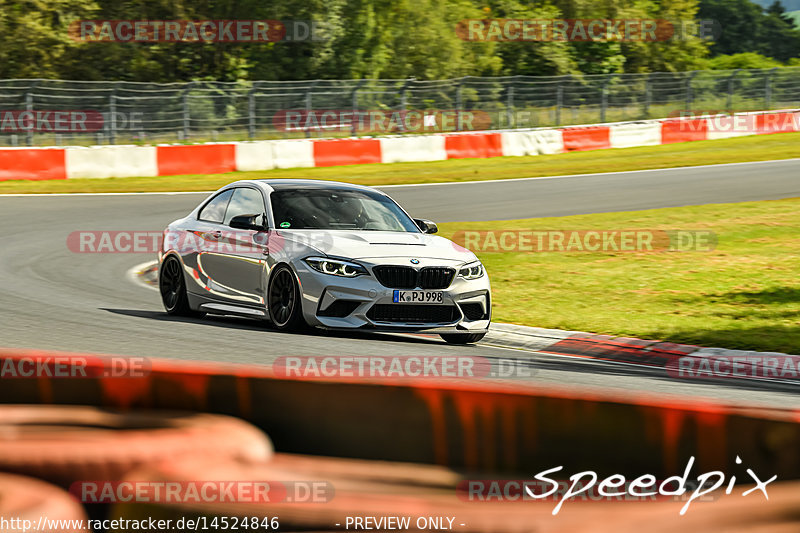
x,y
752,148
745,294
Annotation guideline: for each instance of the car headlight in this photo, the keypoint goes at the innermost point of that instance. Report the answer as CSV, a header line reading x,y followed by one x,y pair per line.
x,y
335,267
471,270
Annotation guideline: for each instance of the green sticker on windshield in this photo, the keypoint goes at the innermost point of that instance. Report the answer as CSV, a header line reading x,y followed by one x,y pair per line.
x,y
285,224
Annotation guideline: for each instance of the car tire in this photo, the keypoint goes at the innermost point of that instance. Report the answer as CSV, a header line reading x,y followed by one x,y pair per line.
x,y
462,338
172,286
283,300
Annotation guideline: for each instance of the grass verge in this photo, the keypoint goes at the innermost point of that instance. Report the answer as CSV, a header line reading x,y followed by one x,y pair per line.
x,y
751,148
745,294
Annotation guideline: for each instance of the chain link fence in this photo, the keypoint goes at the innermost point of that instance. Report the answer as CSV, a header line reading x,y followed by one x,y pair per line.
x,y
59,112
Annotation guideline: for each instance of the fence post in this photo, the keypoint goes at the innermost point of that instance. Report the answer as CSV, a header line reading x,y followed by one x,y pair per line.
x,y
308,105
187,119
112,111
689,91
404,100
648,94
459,102
510,106
604,97
29,109
768,88
251,110
729,101
354,96
353,131
559,100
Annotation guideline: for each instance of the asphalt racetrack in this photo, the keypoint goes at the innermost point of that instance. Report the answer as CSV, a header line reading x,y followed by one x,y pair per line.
x,y
53,298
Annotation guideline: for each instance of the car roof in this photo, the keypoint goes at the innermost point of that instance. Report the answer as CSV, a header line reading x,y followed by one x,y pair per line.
x,y
278,184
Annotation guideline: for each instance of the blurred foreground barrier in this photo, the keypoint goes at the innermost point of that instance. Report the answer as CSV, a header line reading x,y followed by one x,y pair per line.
x,y
480,425
26,503
426,499
63,444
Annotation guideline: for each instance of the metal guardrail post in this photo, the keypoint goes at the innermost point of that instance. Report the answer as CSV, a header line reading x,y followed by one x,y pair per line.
x,y
354,101
729,101
459,102
689,91
510,105
187,119
251,110
112,117
768,88
604,97
559,100
648,95
29,109
308,106
404,100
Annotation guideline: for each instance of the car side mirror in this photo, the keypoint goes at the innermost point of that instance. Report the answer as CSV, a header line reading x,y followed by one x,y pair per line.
x,y
426,226
248,222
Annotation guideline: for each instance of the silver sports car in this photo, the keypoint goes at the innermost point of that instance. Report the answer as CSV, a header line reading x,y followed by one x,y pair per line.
x,y
324,254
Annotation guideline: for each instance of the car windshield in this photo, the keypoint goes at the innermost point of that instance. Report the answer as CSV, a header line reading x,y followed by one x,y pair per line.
x,y
338,209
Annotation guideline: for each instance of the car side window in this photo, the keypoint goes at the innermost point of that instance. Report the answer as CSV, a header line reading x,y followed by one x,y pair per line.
x,y
245,201
214,211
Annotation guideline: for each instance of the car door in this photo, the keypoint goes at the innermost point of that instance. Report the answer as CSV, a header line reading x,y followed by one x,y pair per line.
x,y
242,253
199,257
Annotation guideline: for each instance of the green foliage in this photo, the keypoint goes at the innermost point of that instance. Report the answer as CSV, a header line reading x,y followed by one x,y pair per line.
x,y
746,60
34,37
746,27
379,39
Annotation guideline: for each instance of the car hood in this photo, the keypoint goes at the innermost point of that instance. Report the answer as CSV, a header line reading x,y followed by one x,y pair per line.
x,y
377,244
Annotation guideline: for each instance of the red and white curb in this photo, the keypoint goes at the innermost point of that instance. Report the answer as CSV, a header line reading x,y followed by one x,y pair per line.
x,y
144,275
679,360
116,161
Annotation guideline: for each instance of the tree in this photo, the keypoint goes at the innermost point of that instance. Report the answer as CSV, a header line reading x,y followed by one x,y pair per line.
x,y
376,39
777,10
34,36
746,28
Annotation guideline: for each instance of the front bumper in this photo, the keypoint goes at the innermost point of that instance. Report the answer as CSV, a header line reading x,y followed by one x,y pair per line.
x,y
466,305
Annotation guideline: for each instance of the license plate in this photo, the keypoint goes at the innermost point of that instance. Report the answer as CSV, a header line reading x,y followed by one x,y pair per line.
x,y
418,297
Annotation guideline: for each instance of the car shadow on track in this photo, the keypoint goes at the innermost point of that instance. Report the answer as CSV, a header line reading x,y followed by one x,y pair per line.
x,y
251,324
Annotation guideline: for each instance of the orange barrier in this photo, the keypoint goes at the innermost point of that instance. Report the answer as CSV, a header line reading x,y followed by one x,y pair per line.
x,y
334,152
66,443
196,159
683,130
32,164
589,138
506,426
473,145
44,506
416,492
